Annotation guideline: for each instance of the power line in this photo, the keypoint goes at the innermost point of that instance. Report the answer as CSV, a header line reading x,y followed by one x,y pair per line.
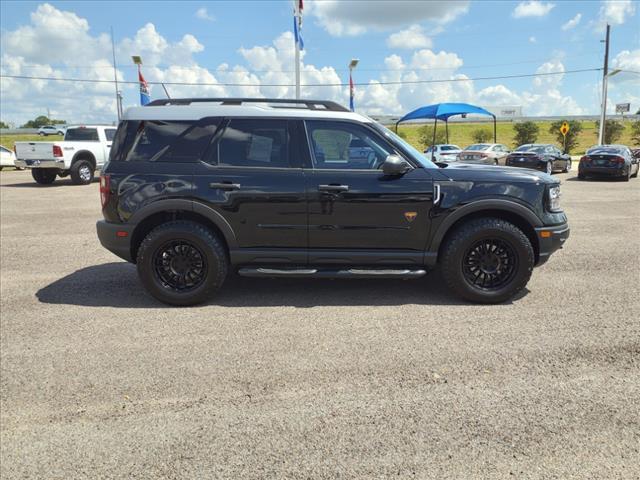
x,y
360,69
362,84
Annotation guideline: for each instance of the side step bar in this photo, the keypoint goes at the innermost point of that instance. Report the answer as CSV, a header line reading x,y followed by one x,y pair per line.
x,y
404,273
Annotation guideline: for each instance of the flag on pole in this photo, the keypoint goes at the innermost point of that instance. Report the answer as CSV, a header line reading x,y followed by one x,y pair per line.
x,y
145,95
352,92
297,23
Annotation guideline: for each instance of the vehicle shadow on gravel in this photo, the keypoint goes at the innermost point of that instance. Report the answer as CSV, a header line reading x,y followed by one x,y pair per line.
x,y
116,285
60,182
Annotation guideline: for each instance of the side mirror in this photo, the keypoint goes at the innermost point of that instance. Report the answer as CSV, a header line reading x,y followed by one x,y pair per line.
x,y
395,165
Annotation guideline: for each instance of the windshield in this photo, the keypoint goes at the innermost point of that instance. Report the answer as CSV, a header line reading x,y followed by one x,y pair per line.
x,y
531,148
478,146
406,147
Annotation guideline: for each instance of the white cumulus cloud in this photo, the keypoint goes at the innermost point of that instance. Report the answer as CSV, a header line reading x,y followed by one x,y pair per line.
x,y
357,17
616,12
203,14
532,8
412,38
572,23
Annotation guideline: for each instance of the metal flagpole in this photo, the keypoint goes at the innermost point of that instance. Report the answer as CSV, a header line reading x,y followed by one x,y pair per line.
x,y
296,13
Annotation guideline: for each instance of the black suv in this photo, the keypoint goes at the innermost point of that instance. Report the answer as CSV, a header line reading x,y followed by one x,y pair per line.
x,y
196,187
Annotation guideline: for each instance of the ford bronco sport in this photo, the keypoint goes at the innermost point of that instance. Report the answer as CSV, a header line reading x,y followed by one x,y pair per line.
x,y
302,188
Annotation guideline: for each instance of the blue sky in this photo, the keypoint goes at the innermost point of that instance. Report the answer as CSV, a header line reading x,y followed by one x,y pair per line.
x,y
250,43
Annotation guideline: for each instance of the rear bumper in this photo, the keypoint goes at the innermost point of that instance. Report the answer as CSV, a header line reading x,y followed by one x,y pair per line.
x,y
605,171
57,164
551,239
536,166
116,237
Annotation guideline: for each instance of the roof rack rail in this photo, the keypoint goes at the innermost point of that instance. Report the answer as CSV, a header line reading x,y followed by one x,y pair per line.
x,y
310,104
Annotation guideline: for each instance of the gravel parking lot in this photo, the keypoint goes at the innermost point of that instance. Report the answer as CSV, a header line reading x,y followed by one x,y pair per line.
x,y
316,378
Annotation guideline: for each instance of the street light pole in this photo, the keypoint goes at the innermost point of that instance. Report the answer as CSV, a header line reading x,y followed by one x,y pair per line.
x,y
353,64
605,76
296,19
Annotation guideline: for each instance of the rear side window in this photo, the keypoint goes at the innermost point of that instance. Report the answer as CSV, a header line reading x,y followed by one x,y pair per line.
x,y
254,143
162,141
82,135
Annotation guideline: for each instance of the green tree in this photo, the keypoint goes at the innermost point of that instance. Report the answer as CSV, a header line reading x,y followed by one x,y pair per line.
x,y
3,125
481,135
425,134
612,131
41,121
635,132
575,127
526,132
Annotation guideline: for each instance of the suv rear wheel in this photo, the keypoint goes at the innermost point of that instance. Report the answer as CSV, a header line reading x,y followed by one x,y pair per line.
x,y
487,260
182,263
44,176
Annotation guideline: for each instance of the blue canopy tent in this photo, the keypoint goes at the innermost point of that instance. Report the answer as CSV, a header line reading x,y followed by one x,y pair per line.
x,y
442,111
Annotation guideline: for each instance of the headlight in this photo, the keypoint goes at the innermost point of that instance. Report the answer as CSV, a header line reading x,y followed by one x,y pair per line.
x,y
554,199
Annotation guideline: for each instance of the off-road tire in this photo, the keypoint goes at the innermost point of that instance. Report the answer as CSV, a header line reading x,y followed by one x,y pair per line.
x,y
82,172
206,241
44,176
464,237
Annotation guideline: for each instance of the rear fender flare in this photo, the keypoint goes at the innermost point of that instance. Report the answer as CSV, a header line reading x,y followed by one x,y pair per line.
x,y
177,204
84,155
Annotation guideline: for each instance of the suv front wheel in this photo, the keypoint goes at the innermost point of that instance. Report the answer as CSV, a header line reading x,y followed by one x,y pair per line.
x,y
487,260
182,263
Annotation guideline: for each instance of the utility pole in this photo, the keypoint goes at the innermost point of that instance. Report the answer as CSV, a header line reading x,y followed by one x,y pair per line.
x,y
115,78
605,77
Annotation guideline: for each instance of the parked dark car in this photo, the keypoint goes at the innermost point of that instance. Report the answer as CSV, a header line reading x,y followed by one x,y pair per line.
x,y
543,157
610,161
197,187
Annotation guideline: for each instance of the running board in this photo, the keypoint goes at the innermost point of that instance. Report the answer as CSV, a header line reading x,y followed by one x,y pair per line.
x,y
404,273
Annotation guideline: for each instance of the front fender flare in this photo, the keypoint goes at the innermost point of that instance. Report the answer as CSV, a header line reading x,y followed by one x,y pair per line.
x,y
478,206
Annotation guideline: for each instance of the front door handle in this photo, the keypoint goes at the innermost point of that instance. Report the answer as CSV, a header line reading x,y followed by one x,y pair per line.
x,y
333,188
225,186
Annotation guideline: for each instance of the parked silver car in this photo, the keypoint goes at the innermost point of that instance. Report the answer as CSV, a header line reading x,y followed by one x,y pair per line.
x,y
484,153
443,153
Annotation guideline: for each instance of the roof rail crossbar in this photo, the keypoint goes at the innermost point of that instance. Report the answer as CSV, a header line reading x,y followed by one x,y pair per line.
x,y
310,104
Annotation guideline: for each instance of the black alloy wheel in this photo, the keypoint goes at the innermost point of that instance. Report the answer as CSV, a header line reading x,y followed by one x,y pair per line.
x,y
489,264
182,262
180,266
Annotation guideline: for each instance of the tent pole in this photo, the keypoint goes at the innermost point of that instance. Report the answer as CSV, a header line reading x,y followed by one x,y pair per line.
x,y
446,127
433,144
495,138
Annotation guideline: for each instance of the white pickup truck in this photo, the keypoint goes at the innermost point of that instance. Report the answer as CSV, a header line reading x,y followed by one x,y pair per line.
x,y
84,150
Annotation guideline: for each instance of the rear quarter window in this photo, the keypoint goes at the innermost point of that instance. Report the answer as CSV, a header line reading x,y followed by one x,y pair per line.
x,y
162,141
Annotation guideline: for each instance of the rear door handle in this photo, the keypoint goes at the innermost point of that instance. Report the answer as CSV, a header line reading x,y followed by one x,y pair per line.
x,y
333,188
225,186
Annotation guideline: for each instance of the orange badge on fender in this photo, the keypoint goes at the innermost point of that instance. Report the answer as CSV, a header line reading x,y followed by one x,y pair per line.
x,y
410,216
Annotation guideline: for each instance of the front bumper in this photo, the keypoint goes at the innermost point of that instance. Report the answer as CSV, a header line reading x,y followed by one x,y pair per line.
x,y
116,237
57,164
551,239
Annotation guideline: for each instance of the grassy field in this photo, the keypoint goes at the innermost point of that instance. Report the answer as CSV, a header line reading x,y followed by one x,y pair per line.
x,y
9,140
459,134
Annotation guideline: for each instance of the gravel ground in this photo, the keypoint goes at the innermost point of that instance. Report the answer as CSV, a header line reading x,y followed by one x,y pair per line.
x,y
316,378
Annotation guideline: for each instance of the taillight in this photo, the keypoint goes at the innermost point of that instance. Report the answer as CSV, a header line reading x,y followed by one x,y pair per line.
x,y
15,151
105,189
57,151
617,159
584,158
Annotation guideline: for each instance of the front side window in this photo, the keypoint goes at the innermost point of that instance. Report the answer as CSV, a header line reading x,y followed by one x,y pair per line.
x,y
338,145
110,133
254,143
